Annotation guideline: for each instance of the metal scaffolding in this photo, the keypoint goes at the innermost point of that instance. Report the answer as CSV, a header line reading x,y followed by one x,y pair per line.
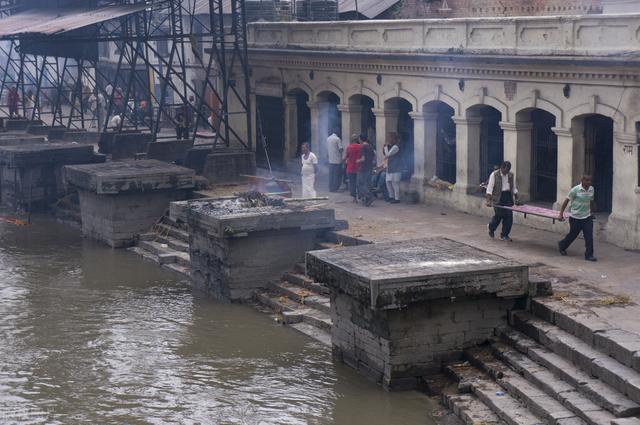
x,y
158,64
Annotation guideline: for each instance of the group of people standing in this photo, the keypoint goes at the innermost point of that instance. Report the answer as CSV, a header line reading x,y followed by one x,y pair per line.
x,y
357,165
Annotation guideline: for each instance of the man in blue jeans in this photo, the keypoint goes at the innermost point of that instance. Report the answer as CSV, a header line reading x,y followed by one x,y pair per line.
x,y
581,220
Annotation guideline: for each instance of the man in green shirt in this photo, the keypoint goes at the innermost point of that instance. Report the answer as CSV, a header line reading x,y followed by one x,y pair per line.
x,y
581,220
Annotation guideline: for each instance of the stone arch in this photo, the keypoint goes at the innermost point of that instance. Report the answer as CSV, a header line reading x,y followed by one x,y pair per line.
x,y
300,85
595,107
364,91
533,102
328,87
439,95
488,101
399,92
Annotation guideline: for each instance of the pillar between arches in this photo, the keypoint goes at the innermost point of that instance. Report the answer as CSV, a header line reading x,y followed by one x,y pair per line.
x,y
467,154
351,121
569,164
290,126
517,150
425,135
386,122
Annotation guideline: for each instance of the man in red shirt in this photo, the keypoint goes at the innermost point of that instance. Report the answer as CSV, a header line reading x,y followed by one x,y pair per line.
x,y
354,152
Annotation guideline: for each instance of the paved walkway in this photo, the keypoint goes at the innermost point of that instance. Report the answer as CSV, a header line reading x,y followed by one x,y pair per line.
x,y
610,287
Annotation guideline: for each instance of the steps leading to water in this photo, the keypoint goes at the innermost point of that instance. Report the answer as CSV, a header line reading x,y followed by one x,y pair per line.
x,y
555,364
167,244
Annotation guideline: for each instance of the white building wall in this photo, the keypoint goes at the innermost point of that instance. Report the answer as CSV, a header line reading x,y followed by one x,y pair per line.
x,y
511,64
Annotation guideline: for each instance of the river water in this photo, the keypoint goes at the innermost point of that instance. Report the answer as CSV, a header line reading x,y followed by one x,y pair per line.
x,y
91,335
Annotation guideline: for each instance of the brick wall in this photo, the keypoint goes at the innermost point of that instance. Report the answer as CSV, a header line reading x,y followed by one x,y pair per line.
x,y
478,8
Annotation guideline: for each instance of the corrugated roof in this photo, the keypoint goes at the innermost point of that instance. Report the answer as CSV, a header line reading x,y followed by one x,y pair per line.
x,y
368,8
47,22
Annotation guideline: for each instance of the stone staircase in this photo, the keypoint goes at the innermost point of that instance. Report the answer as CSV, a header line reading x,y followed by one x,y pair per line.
x,y
167,244
553,365
299,302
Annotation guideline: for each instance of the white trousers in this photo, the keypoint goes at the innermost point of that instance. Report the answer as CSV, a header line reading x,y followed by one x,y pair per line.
x,y
308,186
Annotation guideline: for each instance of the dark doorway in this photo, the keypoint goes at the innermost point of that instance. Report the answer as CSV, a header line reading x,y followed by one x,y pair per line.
x,y
491,141
544,145
598,158
304,120
445,143
404,129
368,119
270,130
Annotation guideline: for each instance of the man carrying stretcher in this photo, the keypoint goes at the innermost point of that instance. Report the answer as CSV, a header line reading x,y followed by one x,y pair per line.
x,y
581,219
502,192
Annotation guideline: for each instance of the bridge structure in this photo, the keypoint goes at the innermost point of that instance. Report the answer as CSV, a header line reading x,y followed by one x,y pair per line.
x,y
53,56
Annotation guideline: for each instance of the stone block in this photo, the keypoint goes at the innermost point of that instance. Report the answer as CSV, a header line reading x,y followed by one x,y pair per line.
x,y
120,200
236,248
228,165
120,177
414,305
31,175
169,150
128,145
106,141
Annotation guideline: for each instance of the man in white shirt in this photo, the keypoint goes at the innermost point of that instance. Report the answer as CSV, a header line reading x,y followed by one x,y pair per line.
x,y
335,149
502,192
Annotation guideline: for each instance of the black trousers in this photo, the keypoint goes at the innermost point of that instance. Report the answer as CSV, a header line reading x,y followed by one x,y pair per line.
x,y
335,177
353,184
502,215
576,226
364,186
182,132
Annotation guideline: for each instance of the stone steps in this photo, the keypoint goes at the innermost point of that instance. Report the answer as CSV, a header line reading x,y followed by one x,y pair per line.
x,y
581,354
304,281
624,346
559,376
551,399
504,406
308,320
167,245
470,410
165,253
171,230
302,295
173,243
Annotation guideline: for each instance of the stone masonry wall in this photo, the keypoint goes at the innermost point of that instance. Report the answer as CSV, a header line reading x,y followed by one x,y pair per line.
x,y
118,219
396,347
232,269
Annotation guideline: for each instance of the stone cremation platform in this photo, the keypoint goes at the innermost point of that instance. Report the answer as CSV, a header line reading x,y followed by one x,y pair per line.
x,y
400,310
238,245
31,173
121,199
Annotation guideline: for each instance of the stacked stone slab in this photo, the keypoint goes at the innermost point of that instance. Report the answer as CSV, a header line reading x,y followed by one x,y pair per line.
x,y
400,310
121,199
236,250
31,173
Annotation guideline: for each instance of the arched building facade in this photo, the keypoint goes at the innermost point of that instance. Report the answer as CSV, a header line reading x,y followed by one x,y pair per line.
x,y
558,97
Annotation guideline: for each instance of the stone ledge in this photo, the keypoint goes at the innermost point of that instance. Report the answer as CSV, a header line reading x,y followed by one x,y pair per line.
x,y
120,177
393,275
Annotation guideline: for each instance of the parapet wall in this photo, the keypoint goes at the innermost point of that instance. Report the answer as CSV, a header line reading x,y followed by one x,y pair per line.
x,y
587,35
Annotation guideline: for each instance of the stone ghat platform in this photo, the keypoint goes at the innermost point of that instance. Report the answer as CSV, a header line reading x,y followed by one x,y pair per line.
x,y
120,200
237,247
31,174
401,310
